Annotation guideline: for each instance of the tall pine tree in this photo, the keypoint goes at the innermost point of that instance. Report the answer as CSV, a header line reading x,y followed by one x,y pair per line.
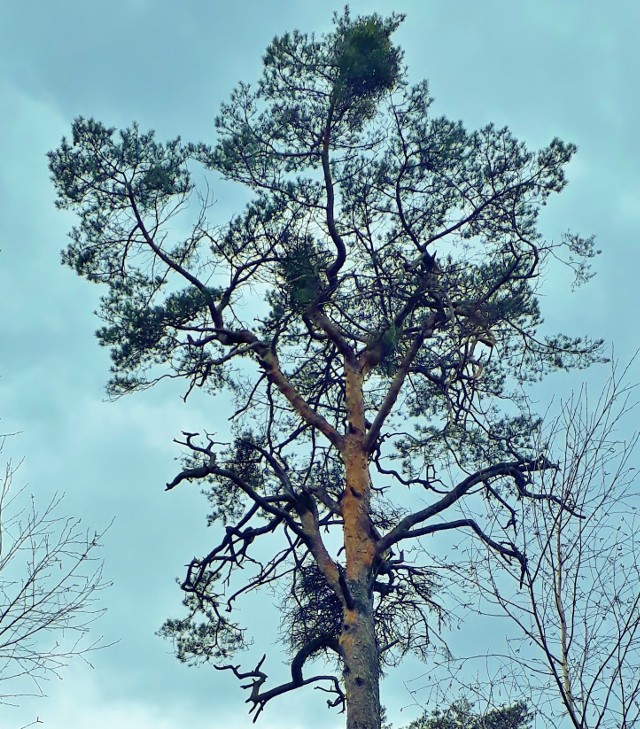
x,y
373,312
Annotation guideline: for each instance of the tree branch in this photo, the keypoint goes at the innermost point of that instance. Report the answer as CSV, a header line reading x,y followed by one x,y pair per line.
x,y
507,552
174,265
341,256
499,470
322,321
259,699
396,385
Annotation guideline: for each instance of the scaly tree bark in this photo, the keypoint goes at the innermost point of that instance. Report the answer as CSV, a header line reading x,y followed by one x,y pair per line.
x,y
397,257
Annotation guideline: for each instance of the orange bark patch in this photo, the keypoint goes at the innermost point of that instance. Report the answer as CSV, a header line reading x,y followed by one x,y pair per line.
x,y
358,541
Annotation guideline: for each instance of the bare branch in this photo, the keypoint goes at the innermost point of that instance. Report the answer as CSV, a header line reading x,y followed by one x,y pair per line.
x,y
516,471
259,698
50,581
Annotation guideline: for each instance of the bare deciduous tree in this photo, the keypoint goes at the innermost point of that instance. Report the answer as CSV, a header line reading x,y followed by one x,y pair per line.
x,y
576,651
50,580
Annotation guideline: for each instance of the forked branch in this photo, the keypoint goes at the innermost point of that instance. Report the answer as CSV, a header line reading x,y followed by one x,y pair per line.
x,y
257,677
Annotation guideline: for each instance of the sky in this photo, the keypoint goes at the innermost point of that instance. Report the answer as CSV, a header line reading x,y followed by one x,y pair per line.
x,y
548,68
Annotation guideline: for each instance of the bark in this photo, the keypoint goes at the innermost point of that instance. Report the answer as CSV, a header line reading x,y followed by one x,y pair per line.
x,y
361,666
358,641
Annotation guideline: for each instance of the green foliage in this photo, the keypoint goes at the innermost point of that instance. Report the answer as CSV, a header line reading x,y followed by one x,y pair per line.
x,y
367,62
460,715
395,187
142,337
123,188
204,634
99,176
300,269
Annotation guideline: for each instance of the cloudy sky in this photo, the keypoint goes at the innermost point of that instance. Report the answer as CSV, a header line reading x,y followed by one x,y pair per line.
x,y
547,68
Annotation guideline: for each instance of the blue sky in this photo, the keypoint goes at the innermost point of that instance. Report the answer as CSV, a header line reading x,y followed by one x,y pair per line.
x,y
544,68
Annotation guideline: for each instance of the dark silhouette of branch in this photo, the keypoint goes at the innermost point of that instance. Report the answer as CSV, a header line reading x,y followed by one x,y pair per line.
x,y
50,581
259,698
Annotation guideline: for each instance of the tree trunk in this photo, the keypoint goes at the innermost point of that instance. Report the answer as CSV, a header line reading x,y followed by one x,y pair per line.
x,y
361,672
358,640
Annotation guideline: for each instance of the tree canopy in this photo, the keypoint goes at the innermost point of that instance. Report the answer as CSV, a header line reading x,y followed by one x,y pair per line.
x,y
373,311
461,715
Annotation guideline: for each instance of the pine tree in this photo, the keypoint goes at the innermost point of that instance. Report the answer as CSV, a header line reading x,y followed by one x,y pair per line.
x,y
372,310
